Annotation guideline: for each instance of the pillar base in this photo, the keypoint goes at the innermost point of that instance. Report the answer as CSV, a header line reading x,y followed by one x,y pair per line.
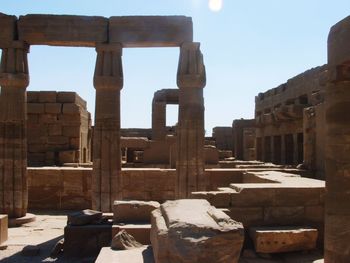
x,y
15,222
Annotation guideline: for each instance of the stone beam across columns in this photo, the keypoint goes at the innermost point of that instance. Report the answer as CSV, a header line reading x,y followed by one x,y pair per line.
x,y
108,81
191,79
14,79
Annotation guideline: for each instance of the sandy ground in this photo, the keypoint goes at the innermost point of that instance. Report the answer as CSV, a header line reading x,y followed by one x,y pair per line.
x,y
48,229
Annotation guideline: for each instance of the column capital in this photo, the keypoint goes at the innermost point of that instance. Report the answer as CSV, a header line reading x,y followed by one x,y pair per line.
x,y
14,65
191,69
109,70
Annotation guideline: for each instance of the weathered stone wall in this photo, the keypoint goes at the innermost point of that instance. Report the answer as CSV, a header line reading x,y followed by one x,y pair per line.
x,y
223,138
59,128
280,131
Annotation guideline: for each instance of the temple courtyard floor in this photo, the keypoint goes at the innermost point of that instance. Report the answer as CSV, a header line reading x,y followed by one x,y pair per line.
x,y
33,242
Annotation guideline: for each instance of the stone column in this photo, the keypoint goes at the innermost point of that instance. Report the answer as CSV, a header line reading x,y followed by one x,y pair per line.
x,y
309,131
295,148
272,146
191,79
283,149
158,120
337,157
14,79
108,81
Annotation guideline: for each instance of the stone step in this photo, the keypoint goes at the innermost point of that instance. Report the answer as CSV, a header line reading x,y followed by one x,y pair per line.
x,y
138,255
141,232
283,239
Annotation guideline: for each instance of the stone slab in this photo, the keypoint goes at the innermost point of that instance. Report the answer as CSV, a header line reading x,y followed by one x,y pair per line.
x,y
63,30
138,255
3,228
283,239
141,232
133,211
150,31
183,230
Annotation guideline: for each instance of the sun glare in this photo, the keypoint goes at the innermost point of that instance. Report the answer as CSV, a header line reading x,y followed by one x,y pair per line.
x,y
215,5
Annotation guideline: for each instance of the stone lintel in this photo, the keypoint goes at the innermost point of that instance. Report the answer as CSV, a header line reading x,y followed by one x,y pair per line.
x,y
63,30
8,30
150,31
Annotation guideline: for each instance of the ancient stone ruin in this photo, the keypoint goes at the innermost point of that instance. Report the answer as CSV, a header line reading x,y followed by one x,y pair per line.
x,y
263,187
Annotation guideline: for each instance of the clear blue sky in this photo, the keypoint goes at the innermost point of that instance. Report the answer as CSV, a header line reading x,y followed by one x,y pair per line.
x,y
249,46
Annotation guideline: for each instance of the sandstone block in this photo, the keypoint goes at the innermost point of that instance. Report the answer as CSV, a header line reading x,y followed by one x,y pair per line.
x,y
35,108
84,217
133,211
283,239
54,108
32,96
55,129
47,96
69,119
150,31
71,108
47,118
3,228
58,140
284,215
8,30
63,30
74,143
70,97
80,241
71,131
193,231
67,156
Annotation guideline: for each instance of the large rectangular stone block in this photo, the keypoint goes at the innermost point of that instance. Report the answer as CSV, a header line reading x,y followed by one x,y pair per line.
x,y
8,30
150,31
194,231
133,211
3,228
63,30
283,239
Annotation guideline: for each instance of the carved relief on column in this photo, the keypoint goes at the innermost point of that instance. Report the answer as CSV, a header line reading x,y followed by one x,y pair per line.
x,y
191,79
14,79
108,81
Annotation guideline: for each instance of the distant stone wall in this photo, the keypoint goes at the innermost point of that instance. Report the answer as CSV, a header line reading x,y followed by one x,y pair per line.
x,y
59,128
280,128
223,138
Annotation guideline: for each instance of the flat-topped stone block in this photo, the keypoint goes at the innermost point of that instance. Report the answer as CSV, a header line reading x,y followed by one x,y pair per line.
x,y
63,30
133,211
150,31
3,229
191,230
138,255
283,239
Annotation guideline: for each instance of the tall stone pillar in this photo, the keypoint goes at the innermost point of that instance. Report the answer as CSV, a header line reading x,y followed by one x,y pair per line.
x,y
158,120
283,149
337,152
108,81
295,148
191,79
309,132
14,79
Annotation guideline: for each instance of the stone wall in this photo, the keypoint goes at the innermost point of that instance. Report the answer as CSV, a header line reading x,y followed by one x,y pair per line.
x,y
223,138
59,128
280,123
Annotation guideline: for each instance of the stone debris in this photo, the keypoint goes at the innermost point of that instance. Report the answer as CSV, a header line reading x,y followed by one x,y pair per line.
x,y
190,230
124,241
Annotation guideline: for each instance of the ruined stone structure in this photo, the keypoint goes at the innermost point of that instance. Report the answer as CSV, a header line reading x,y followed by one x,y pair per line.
x,y
243,132
290,121
59,128
109,37
337,156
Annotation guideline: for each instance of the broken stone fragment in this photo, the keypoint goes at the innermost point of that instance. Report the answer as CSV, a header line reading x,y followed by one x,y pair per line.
x,y
124,241
84,217
191,230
